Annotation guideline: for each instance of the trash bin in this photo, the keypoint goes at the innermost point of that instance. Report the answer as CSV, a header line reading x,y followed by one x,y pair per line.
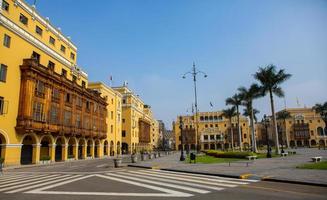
x,y
192,158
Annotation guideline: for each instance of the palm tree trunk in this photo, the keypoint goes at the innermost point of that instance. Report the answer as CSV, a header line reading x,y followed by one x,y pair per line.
x,y
274,121
231,132
239,129
254,143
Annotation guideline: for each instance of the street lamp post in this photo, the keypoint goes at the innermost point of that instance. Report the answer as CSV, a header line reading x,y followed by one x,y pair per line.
x,y
194,73
266,122
182,158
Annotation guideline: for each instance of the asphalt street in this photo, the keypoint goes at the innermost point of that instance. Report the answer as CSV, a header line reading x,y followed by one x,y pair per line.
x,y
97,179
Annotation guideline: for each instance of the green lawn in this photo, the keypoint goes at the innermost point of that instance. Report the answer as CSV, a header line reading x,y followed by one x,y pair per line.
x,y
319,165
210,159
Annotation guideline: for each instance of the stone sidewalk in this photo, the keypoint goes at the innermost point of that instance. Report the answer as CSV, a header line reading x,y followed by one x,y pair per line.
x,y
278,169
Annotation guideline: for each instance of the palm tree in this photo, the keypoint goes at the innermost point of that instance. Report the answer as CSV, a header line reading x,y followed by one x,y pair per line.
x,y
247,96
229,113
251,113
236,101
322,110
270,80
283,115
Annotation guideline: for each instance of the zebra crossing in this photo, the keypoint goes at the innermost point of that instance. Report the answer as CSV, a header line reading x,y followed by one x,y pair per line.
x,y
163,183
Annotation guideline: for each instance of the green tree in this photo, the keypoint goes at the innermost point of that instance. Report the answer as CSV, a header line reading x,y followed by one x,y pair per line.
x,y
247,97
283,115
270,80
229,113
236,102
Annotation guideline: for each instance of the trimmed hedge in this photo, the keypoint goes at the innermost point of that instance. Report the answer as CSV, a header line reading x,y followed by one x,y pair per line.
x,y
222,154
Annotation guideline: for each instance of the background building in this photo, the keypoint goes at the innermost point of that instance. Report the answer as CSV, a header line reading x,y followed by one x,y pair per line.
x,y
303,128
139,128
214,131
112,144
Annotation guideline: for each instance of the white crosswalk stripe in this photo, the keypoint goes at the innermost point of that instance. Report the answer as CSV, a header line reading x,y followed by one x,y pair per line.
x,y
163,183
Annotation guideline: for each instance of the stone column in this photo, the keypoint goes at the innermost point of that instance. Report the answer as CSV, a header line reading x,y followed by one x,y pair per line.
x,y
52,152
36,153
64,153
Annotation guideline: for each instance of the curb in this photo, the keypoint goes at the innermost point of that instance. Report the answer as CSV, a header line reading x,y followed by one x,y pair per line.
x,y
242,176
190,172
293,182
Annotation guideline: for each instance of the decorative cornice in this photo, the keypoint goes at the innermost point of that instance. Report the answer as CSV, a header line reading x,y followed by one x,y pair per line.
x,y
37,43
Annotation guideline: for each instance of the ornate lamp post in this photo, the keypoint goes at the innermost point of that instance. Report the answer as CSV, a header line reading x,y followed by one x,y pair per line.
x,y
182,158
194,73
266,122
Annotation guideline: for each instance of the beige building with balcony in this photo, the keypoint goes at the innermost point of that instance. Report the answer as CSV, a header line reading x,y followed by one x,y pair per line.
x,y
305,128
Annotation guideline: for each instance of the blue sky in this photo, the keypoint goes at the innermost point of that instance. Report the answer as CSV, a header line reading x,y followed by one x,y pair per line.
x,y
151,43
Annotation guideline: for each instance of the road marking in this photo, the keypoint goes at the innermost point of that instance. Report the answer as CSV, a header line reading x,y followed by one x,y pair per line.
x,y
29,179
67,172
173,181
14,177
162,184
188,179
167,192
202,175
32,184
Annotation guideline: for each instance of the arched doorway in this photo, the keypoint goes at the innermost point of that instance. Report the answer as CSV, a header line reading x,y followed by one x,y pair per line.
x,y
313,143
81,149
2,146
26,156
45,152
60,143
219,146
71,148
96,148
321,143
226,146
124,148
299,143
306,143
89,148
320,131
118,148
105,148
112,148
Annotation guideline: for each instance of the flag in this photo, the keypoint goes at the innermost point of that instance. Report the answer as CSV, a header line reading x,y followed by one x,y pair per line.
x,y
110,78
211,104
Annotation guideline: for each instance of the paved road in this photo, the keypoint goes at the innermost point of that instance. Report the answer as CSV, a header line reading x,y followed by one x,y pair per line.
x,y
96,179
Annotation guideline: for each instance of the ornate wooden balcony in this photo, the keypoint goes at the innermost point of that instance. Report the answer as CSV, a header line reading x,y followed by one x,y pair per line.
x,y
30,96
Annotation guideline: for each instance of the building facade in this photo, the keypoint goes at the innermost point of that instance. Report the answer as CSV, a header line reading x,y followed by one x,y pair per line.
x,y
47,113
214,131
139,127
304,128
112,144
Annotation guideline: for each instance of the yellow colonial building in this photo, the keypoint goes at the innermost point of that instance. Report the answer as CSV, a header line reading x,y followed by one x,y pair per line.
x,y
214,131
139,128
47,111
112,145
303,128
